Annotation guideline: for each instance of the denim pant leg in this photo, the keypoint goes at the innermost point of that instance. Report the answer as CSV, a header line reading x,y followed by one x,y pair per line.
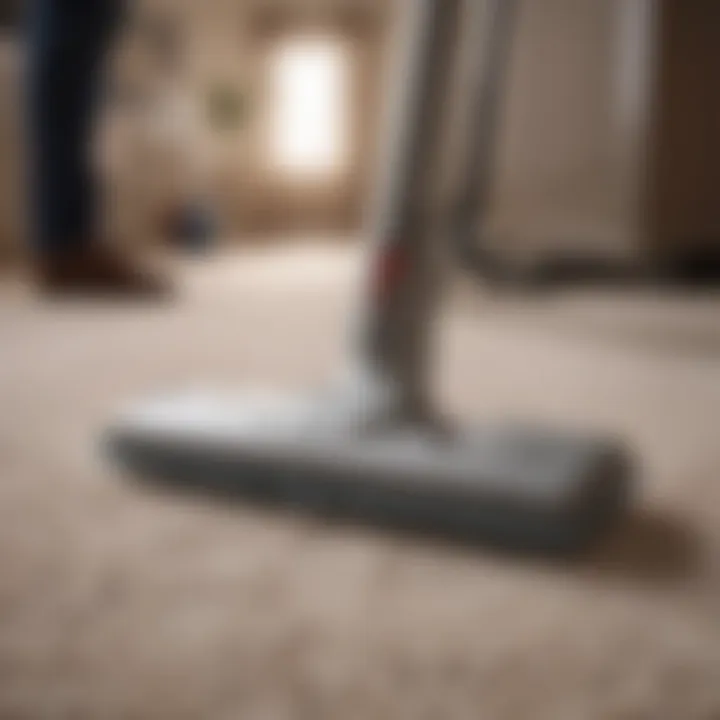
x,y
68,42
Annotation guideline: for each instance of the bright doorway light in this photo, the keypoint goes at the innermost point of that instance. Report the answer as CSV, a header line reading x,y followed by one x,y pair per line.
x,y
309,119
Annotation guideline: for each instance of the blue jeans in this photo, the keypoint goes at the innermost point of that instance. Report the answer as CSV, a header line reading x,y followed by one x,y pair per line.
x,y
69,41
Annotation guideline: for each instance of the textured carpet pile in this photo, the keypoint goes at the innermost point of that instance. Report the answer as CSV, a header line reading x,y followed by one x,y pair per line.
x,y
121,602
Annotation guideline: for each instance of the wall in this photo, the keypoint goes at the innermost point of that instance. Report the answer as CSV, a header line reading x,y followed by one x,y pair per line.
x,y
559,172
559,169
684,204
570,158
226,44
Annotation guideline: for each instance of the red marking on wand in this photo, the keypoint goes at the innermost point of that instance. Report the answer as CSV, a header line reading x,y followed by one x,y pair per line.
x,y
391,270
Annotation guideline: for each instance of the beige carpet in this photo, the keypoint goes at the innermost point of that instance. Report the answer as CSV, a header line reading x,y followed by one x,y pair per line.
x,y
117,602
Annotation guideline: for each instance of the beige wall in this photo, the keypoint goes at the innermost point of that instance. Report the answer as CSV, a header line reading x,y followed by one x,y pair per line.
x,y
227,44
569,155
559,165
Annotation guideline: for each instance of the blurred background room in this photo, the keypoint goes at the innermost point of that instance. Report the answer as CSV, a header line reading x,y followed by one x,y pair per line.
x,y
239,145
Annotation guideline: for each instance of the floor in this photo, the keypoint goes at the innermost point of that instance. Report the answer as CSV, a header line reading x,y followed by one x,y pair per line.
x,y
121,602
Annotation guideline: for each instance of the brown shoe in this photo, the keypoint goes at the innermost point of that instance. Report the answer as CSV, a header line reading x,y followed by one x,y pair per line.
x,y
99,271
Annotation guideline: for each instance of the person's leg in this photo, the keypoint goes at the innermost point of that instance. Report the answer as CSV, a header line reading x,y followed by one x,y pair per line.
x,y
69,43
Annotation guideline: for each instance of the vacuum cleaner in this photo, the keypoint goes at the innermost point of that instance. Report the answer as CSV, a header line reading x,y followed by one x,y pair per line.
x,y
371,447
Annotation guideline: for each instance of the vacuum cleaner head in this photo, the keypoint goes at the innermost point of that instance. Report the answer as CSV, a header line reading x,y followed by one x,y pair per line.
x,y
514,486
517,487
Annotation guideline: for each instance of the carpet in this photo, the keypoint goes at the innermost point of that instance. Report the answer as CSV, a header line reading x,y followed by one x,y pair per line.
x,y
117,601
